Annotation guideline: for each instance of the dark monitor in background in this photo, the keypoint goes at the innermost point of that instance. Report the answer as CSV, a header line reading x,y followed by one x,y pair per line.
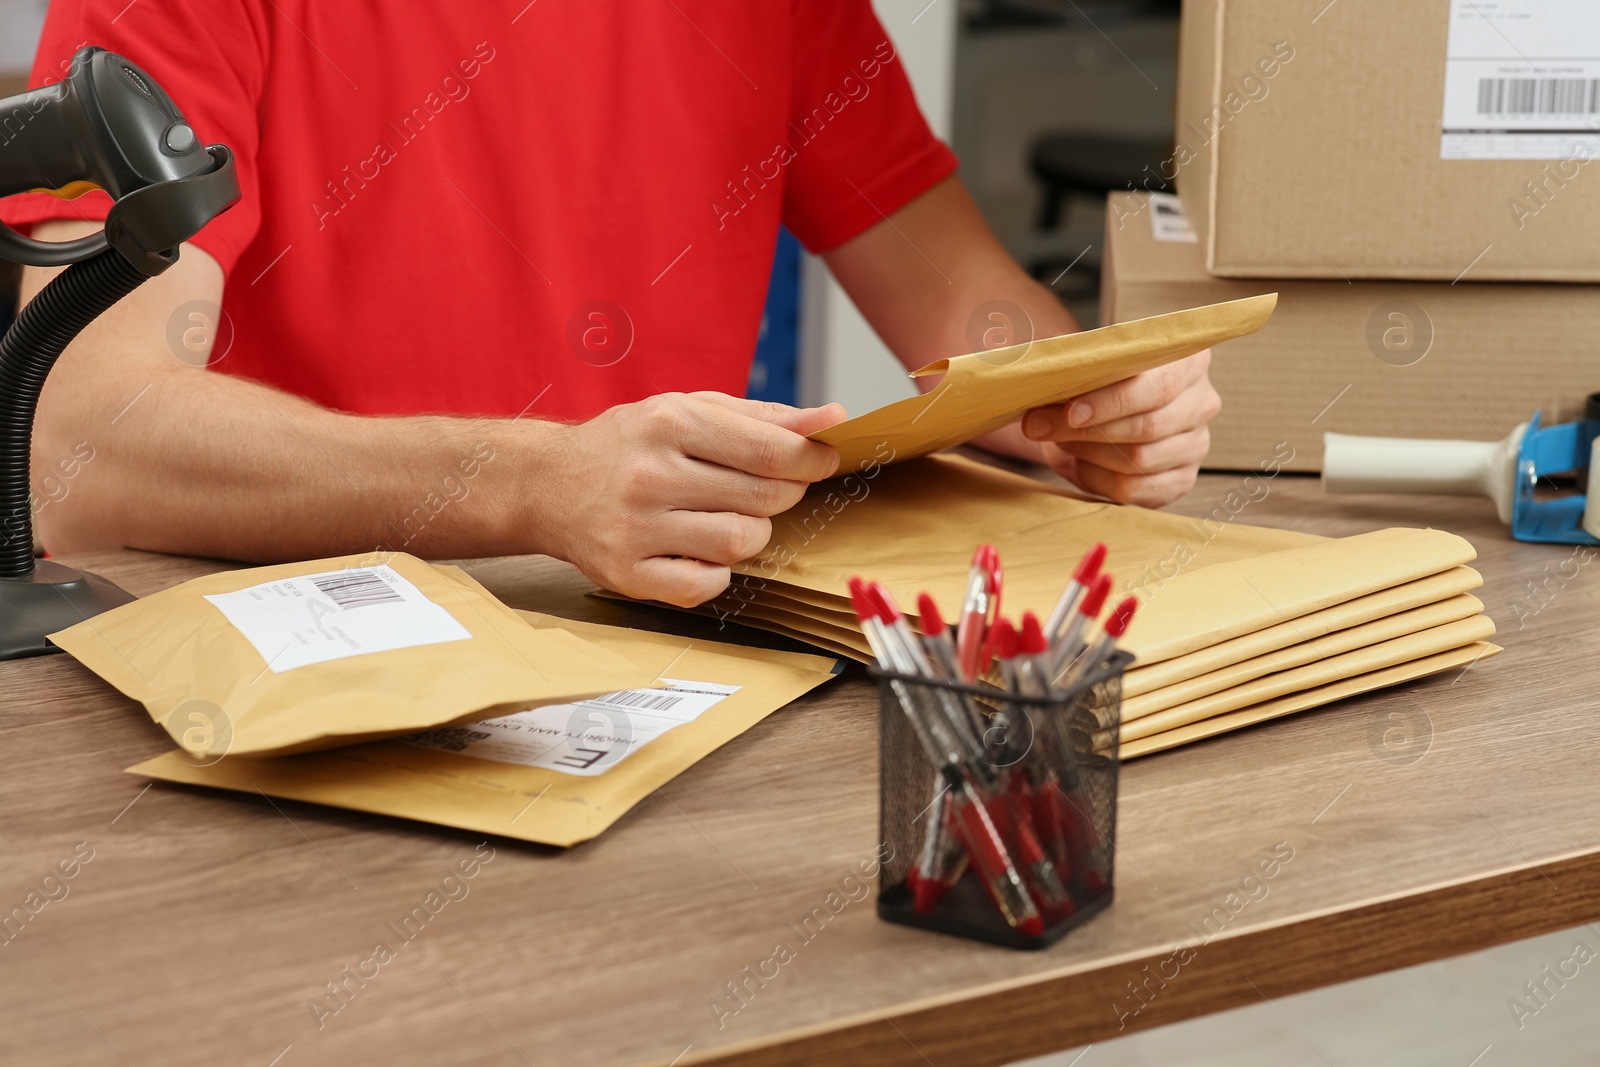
x,y
986,14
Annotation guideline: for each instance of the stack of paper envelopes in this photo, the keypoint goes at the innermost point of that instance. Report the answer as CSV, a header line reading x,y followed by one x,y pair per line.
x,y
1237,624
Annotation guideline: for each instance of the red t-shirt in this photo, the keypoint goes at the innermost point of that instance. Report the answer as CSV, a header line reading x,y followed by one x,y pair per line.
x,y
496,206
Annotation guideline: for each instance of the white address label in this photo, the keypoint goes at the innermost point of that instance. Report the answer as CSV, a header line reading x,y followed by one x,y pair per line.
x,y
586,738
1168,222
313,618
1522,80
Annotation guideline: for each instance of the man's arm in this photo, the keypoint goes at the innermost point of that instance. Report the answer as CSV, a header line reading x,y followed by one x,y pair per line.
x,y
925,274
654,499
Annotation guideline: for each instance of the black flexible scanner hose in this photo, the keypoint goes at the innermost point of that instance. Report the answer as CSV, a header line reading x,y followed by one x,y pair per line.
x,y
76,297
107,126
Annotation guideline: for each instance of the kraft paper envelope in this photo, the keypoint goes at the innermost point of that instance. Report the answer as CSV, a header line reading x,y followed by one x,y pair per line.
x,y
790,620
1462,657
831,629
842,640
1435,588
1349,639
446,650
743,587
987,390
804,623
427,781
1391,653
922,519
913,526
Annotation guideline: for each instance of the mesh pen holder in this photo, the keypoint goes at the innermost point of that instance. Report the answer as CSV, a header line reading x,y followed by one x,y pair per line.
x,y
1045,785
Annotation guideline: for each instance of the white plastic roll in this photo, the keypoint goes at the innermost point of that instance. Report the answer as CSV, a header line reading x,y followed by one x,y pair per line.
x,y
1591,508
1352,464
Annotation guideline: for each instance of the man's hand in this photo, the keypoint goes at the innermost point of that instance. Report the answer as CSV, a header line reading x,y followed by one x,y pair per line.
x,y
1140,441
655,499
928,277
662,496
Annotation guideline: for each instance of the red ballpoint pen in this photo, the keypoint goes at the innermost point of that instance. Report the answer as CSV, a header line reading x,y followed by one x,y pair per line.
x,y
957,716
1032,647
979,608
1071,642
941,649
937,640
1082,836
990,859
943,858
1048,819
1087,570
1116,625
1015,806
1005,642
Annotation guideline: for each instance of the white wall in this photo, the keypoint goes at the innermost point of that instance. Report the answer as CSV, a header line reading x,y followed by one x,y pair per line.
x,y
20,22
841,359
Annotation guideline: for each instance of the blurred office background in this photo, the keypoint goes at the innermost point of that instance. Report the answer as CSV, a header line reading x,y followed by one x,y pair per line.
x,y
1015,86
20,21
1044,101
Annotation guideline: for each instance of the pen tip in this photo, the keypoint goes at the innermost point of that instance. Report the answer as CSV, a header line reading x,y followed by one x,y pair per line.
x,y
1006,640
1096,598
1091,563
987,560
860,601
1117,625
879,596
1033,641
928,612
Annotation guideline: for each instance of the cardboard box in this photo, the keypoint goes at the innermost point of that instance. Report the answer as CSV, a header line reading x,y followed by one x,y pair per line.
x,y
1310,137
1392,359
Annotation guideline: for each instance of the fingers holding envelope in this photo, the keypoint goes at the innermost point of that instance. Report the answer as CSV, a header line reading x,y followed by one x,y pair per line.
x,y
1138,441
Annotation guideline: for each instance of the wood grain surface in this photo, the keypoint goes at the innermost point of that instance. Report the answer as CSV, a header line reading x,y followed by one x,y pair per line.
x,y
1428,820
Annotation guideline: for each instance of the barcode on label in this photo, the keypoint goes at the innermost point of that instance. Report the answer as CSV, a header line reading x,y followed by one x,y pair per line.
x,y
356,589
1538,96
650,701
449,738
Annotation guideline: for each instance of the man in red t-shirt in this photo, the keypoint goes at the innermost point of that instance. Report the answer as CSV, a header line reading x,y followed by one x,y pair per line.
x,y
495,282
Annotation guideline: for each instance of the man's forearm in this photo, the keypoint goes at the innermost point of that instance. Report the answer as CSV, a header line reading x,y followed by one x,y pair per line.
x,y
136,447
937,284
195,462
934,282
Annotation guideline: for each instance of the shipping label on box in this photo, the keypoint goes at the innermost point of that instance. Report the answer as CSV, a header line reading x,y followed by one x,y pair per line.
x,y
1446,140
1383,358
1522,80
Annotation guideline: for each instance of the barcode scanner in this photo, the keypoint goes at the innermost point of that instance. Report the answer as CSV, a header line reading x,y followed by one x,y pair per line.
x,y
107,126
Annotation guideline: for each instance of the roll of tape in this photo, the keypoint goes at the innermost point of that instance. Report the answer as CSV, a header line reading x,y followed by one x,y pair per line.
x,y
1591,507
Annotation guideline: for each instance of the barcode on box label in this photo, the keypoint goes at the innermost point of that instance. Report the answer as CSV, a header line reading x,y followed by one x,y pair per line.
x,y
356,589
646,700
1538,96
